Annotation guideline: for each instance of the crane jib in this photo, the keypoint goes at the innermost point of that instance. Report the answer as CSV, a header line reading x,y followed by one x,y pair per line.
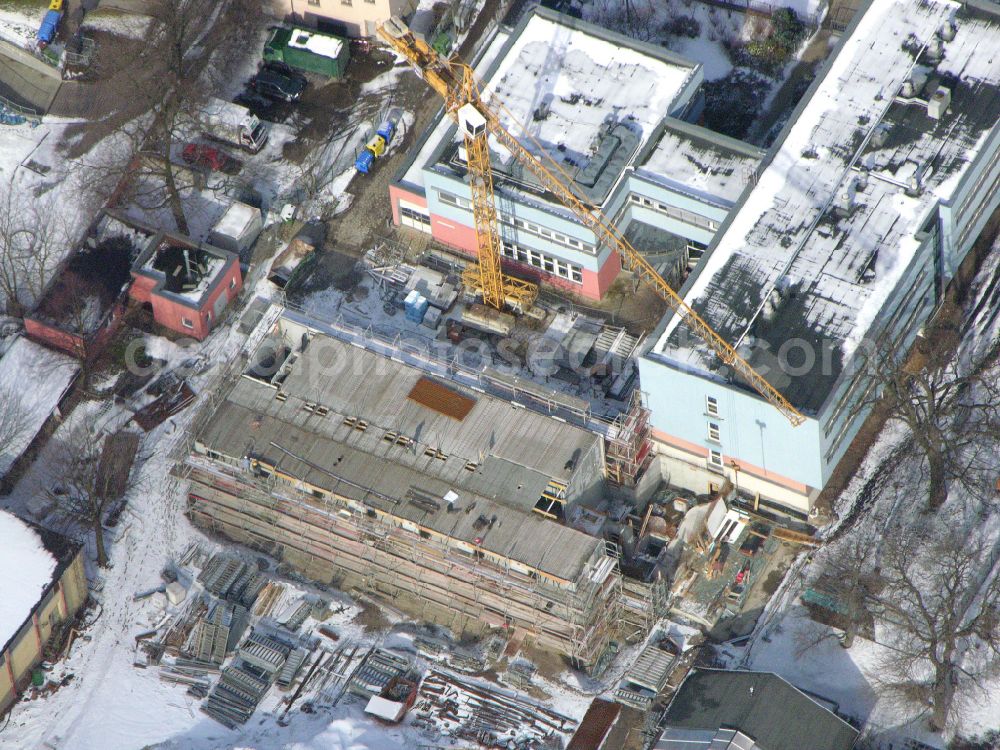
x,y
456,82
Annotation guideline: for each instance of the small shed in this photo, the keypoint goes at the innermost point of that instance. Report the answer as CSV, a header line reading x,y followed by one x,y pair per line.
x,y
308,50
238,229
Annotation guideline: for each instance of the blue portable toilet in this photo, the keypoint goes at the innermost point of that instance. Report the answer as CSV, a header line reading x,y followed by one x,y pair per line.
x,y
50,24
364,161
387,130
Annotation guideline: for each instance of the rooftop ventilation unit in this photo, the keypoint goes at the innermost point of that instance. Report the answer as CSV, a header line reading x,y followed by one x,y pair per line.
x,y
845,197
947,31
938,104
935,48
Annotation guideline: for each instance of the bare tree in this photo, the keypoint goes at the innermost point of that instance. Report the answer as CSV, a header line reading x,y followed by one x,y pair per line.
x,y
33,239
952,414
13,426
941,598
935,597
92,475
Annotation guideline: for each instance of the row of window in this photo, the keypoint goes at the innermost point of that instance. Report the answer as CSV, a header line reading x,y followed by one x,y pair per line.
x,y
688,217
528,227
547,263
714,433
552,236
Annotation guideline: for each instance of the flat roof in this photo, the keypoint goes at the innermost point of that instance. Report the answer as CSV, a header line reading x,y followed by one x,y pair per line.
x,y
789,263
699,162
513,452
586,96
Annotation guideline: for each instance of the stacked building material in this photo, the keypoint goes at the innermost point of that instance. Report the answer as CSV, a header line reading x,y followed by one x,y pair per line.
x,y
220,573
217,634
236,695
292,666
647,678
485,714
376,671
264,652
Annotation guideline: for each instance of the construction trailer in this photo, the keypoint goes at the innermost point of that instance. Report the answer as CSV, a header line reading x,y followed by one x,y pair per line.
x,y
307,50
436,498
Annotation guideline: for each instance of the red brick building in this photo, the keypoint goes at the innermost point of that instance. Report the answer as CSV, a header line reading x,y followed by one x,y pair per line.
x,y
187,285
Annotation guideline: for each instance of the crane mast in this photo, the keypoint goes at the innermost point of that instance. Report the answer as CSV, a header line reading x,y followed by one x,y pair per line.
x,y
455,81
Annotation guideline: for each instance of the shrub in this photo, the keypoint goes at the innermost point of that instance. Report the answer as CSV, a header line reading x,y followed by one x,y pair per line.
x,y
683,26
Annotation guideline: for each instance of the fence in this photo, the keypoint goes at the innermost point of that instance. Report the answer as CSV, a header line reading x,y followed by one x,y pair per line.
x,y
9,107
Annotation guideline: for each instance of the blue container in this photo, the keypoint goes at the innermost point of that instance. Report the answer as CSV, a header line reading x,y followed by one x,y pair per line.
x,y
415,306
364,161
387,131
50,24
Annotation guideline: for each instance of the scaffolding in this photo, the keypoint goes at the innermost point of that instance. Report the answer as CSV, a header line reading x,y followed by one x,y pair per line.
x,y
326,536
628,448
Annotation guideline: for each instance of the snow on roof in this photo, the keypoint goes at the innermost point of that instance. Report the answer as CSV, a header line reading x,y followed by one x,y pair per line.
x,y
703,163
789,265
235,221
414,173
32,381
318,44
567,84
28,569
385,709
561,84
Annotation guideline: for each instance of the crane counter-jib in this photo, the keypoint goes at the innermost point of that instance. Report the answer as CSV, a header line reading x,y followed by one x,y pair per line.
x,y
455,81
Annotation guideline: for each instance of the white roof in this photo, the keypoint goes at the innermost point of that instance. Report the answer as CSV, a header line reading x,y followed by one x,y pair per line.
x,y
581,79
237,219
318,44
385,709
701,168
27,568
32,380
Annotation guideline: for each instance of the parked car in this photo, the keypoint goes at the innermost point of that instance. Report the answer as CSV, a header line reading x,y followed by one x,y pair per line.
x,y
208,157
276,85
286,70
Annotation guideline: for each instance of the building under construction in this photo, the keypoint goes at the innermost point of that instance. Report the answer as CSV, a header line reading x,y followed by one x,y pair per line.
x,y
369,474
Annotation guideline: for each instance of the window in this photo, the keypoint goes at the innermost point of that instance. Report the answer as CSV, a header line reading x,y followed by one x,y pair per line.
x,y
715,459
712,405
187,323
713,432
453,200
688,217
414,219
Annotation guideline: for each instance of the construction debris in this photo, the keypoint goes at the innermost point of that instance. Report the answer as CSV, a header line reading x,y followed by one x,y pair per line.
x,y
484,714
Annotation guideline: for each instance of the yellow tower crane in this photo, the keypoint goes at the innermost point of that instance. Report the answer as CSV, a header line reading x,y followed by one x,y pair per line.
x,y
456,82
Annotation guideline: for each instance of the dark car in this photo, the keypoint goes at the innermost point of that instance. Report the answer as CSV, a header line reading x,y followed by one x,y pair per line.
x,y
208,157
277,85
